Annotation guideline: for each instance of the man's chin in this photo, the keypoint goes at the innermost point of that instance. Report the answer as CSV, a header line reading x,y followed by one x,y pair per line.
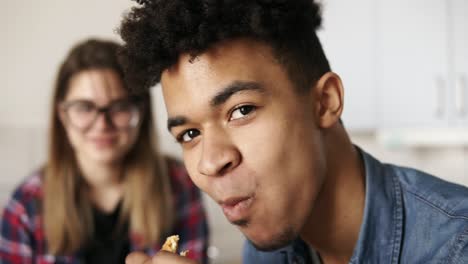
x,y
271,245
273,242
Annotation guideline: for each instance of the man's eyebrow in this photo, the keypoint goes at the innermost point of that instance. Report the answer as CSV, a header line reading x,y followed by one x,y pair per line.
x,y
235,87
175,121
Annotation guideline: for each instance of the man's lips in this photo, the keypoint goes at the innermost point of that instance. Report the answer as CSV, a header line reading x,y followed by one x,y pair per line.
x,y
236,208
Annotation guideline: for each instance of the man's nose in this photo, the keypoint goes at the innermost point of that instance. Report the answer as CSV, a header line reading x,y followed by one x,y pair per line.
x,y
219,155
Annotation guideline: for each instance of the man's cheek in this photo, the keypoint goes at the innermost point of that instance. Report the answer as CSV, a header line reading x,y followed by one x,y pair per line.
x,y
196,177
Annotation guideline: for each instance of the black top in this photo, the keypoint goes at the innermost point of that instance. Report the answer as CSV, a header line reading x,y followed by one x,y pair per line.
x,y
110,243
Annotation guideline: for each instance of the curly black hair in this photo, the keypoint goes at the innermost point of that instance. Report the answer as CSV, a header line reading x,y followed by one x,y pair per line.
x,y
157,32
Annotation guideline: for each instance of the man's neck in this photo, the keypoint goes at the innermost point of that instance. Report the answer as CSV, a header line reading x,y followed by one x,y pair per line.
x,y
333,227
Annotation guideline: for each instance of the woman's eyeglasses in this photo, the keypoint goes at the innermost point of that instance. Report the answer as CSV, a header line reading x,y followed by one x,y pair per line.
x,y
122,114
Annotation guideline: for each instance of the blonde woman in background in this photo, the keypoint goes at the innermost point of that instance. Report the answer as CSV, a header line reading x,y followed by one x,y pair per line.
x,y
104,190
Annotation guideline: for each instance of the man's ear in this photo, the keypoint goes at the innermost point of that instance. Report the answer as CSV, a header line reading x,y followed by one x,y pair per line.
x,y
329,99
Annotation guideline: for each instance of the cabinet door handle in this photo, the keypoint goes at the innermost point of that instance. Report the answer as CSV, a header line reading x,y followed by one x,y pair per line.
x,y
440,97
460,90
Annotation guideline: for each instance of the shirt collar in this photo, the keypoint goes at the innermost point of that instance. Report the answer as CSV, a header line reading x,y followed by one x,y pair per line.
x,y
381,230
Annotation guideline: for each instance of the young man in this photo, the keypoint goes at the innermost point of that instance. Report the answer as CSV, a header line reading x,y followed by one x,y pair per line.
x,y
252,100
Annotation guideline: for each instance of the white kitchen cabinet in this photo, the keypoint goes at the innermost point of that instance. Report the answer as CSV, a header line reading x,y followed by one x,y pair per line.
x,y
460,59
413,62
348,38
422,55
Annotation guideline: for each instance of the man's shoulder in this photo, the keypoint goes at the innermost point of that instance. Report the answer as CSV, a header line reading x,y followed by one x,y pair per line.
x,y
443,196
436,215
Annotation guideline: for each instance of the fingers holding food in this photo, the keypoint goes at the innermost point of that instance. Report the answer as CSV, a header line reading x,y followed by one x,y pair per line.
x,y
172,245
137,258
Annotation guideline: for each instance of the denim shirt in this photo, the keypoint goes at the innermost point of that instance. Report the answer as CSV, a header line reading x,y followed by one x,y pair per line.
x,y
409,217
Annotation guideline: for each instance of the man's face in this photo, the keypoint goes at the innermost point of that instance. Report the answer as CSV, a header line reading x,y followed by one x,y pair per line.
x,y
249,138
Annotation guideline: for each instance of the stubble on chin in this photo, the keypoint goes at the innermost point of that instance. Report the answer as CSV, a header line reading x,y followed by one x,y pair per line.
x,y
276,242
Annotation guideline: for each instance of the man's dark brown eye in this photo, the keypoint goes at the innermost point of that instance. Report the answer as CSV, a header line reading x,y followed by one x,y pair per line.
x,y
241,111
188,135
246,109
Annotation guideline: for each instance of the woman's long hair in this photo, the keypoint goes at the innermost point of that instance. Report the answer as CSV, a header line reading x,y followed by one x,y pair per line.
x,y
67,210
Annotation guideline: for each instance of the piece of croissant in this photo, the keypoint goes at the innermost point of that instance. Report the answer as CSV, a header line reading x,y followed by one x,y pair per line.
x,y
172,245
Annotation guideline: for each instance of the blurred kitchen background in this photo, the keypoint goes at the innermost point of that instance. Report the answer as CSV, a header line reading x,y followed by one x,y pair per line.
x,y
404,65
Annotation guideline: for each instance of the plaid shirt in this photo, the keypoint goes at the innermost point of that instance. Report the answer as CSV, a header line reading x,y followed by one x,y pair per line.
x,y
22,238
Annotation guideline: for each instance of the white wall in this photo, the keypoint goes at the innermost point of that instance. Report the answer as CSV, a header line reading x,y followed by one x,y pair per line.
x,y
35,37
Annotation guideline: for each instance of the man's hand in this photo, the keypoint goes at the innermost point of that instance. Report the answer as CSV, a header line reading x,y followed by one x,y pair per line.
x,y
161,257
